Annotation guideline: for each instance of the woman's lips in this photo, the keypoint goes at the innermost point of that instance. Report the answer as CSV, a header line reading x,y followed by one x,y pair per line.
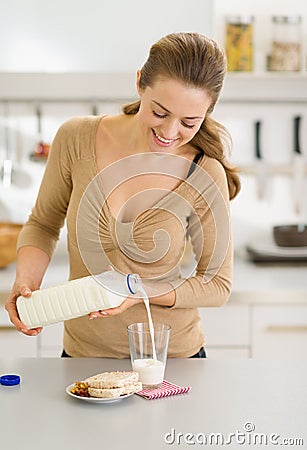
x,y
162,141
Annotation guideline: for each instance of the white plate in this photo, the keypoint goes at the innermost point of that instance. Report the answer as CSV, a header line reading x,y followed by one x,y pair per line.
x,y
95,399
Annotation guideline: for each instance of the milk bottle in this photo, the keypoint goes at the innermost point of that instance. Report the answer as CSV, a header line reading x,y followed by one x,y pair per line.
x,y
76,298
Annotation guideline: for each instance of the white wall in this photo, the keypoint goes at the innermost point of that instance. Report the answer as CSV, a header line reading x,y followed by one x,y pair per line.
x,y
101,35
92,35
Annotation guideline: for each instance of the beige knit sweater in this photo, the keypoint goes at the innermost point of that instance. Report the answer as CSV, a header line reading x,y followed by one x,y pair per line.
x,y
198,208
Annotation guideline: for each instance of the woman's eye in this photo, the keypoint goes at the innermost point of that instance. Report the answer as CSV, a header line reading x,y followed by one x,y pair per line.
x,y
161,116
187,126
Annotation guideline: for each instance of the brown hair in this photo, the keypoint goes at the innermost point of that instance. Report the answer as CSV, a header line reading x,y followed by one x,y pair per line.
x,y
199,62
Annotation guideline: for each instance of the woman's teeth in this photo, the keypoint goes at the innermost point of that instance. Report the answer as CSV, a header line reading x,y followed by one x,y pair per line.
x,y
165,141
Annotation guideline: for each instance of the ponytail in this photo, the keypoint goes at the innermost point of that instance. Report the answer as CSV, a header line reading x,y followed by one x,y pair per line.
x,y
212,139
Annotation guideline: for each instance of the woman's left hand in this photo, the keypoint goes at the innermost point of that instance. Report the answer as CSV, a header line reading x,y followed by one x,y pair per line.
x,y
127,303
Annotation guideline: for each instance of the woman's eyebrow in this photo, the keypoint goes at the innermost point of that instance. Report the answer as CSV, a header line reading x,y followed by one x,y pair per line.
x,y
163,107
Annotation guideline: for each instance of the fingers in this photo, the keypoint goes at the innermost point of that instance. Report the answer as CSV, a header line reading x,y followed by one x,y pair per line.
x,y
19,325
32,331
25,291
11,308
105,313
127,303
96,314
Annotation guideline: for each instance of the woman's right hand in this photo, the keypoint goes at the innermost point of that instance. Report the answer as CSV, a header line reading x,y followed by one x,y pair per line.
x,y
10,305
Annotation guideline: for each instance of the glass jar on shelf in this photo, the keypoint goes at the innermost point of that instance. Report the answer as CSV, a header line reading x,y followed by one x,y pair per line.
x,y
286,49
239,43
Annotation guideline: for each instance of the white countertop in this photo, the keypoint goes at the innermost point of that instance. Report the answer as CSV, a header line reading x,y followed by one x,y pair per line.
x,y
249,397
264,283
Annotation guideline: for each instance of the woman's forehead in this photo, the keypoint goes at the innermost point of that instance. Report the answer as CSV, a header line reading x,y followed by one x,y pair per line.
x,y
174,95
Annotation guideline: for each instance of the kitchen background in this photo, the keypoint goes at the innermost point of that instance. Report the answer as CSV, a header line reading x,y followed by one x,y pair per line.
x,y
63,59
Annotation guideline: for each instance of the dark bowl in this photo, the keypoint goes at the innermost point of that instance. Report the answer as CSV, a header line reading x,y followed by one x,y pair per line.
x,y
290,235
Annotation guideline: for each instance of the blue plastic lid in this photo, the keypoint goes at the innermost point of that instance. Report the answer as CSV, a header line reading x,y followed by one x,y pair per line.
x,y
9,380
133,281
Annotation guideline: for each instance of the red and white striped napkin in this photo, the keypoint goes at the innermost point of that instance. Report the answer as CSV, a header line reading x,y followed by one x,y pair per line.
x,y
165,390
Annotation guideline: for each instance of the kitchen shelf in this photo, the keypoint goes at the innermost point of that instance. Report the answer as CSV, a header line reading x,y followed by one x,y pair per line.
x,y
67,87
256,87
265,87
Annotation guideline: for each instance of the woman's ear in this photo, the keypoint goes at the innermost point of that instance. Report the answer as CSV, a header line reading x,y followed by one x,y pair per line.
x,y
138,77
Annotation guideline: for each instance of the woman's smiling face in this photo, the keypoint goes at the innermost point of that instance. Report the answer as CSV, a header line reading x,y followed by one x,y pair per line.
x,y
171,113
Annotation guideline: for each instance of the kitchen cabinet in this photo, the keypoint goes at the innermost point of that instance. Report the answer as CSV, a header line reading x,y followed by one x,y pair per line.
x,y
12,343
228,352
256,330
266,315
15,344
50,341
227,330
279,332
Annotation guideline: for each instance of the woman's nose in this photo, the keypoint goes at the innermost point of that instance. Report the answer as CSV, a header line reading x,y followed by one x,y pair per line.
x,y
170,129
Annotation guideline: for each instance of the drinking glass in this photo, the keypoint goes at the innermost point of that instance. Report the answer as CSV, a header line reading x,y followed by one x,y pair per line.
x,y
148,352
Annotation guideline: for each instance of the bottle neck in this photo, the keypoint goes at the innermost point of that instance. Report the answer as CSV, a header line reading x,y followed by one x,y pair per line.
x,y
134,282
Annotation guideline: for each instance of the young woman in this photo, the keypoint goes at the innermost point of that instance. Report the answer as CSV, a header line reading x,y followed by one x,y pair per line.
x,y
132,189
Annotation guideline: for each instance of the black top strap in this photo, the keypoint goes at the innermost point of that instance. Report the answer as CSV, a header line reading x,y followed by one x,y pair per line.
x,y
194,162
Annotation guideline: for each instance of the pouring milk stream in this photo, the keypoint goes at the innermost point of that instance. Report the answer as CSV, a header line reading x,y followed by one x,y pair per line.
x,y
150,322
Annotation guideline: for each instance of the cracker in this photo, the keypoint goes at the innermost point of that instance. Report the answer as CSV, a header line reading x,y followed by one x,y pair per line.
x,y
109,380
115,392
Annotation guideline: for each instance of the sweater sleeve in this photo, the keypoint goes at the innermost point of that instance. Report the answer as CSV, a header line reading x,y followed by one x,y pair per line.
x,y
210,232
48,214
